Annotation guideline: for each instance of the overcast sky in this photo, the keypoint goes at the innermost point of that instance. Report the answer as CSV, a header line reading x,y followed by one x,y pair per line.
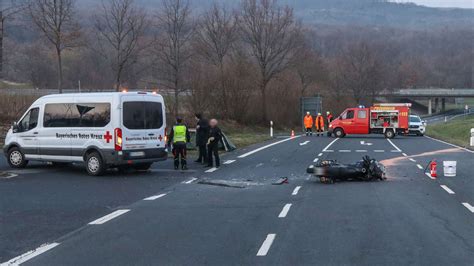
x,y
442,3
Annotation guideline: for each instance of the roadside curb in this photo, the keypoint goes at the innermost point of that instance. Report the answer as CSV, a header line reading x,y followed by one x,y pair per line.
x,y
454,145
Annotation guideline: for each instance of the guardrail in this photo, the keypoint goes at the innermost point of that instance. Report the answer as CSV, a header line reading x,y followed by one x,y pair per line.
x,y
431,92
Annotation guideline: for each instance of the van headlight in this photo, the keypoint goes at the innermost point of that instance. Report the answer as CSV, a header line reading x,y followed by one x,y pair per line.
x,y
330,125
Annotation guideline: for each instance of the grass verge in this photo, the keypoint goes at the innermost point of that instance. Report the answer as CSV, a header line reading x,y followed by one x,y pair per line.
x,y
457,131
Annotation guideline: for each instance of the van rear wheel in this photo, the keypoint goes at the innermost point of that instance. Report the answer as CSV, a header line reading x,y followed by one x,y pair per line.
x,y
16,158
389,134
94,164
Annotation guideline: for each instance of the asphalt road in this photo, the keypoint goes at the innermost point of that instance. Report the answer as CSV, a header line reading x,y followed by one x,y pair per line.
x,y
170,218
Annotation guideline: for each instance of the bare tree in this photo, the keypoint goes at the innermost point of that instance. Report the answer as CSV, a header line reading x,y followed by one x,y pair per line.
x,y
215,38
120,28
8,9
270,31
55,19
173,45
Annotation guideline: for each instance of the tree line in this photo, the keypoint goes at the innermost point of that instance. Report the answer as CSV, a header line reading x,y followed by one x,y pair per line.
x,y
251,62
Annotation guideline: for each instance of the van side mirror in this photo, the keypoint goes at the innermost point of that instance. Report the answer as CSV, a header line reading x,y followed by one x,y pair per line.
x,y
15,127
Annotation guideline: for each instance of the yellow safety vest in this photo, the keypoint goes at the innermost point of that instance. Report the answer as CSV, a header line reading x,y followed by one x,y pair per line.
x,y
179,133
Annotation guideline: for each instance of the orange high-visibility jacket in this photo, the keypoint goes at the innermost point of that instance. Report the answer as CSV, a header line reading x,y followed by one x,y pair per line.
x,y
308,121
319,124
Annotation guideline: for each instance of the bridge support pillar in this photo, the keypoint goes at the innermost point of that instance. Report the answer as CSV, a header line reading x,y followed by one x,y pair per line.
x,y
443,104
430,110
436,105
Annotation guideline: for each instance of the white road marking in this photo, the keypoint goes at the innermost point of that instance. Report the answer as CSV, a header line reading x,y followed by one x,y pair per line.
x,y
258,165
30,254
329,145
404,154
362,142
189,181
320,154
266,146
304,143
109,216
266,245
379,150
447,189
311,166
285,210
395,146
328,151
316,160
211,170
459,147
419,166
468,206
344,150
229,161
158,196
429,175
296,190
411,159
395,151
8,176
361,150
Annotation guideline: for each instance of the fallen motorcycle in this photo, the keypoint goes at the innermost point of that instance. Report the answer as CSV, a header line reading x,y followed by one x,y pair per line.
x,y
330,171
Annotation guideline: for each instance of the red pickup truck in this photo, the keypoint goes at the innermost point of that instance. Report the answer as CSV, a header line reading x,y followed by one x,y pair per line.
x,y
389,119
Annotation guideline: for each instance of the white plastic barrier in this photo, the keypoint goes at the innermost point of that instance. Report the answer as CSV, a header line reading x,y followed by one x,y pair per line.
x,y
449,168
472,136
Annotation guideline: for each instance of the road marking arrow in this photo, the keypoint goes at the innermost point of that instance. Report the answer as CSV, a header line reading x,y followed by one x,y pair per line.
x,y
304,143
362,142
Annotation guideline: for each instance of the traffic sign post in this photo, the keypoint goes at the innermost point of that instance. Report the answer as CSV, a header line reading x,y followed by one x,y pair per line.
x,y
472,136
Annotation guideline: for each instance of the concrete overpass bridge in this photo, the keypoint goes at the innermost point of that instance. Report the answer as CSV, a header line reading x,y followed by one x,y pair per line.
x,y
432,94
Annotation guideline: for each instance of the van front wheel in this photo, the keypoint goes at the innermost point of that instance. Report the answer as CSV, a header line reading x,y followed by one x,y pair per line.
x,y
16,158
94,164
339,133
389,134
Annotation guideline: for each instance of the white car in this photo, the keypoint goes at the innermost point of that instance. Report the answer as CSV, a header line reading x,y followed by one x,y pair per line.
x,y
101,129
417,126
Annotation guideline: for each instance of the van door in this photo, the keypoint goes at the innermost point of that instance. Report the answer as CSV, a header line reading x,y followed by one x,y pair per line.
x,y
347,121
27,133
143,123
361,121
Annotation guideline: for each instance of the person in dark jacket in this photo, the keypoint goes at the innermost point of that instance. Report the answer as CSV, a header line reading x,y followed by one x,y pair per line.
x,y
215,135
202,133
179,136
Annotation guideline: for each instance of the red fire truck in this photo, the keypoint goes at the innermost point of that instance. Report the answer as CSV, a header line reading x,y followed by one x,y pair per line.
x,y
389,119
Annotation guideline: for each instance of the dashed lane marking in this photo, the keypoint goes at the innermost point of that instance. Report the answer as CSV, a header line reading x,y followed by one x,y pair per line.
x,y
344,150
361,150
109,217
304,143
30,254
316,160
379,150
411,159
157,196
320,154
213,169
329,145
447,189
404,154
419,166
189,181
229,161
267,243
266,146
468,206
285,210
296,190
328,151
395,146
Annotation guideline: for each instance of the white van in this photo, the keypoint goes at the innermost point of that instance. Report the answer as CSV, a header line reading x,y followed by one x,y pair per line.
x,y
101,129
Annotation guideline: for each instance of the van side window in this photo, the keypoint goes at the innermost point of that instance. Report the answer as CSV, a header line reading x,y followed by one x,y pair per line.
x,y
76,115
361,114
142,115
348,115
29,121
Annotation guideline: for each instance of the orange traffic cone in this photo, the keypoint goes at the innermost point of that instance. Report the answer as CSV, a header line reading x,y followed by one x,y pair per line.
x,y
292,133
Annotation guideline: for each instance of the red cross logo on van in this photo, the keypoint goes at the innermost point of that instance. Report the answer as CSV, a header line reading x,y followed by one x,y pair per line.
x,y
107,136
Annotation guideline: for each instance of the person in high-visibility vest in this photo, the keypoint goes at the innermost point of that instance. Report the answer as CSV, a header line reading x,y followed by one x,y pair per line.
x,y
179,136
308,124
329,117
319,124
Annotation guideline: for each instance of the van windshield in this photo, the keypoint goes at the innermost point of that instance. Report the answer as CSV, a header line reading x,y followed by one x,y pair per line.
x,y
142,115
